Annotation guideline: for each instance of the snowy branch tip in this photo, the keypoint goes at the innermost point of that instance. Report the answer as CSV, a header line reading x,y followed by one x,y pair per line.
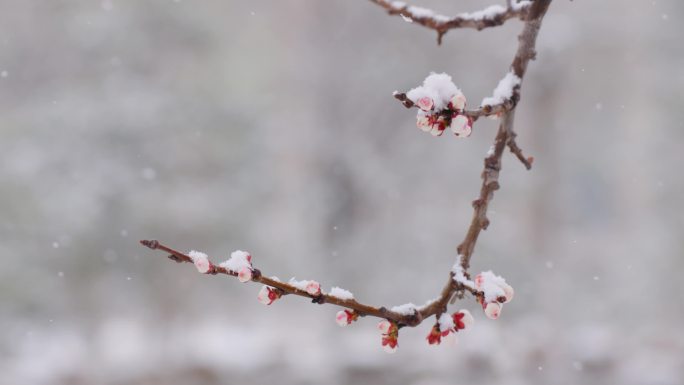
x,y
441,105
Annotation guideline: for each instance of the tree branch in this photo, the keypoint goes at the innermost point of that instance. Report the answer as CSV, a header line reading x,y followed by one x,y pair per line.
x,y
482,111
459,281
492,16
285,288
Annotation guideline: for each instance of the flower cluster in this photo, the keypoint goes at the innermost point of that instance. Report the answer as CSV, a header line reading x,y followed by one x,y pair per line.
x,y
461,320
390,335
240,262
441,105
346,317
495,291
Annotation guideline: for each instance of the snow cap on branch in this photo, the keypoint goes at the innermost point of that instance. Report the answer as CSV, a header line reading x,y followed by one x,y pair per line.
x,y
311,287
459,274
238,260
341,293
503,91
405,309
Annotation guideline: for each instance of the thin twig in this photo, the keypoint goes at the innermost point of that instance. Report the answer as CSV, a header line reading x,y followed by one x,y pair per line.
x,y
491,17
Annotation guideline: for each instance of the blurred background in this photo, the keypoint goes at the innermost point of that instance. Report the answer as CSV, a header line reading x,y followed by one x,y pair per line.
x,y
269,126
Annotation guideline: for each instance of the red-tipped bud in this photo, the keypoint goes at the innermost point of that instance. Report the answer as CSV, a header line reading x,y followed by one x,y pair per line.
x,y
435,336
389,344
268,295
463,320
346,317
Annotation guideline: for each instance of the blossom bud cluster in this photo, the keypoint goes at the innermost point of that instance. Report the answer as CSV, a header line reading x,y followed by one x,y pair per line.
x,y
461,320
441,105
495,291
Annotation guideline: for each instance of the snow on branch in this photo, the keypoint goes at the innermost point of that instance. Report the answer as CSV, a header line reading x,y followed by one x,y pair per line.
x,y
441,105
491,16
503,91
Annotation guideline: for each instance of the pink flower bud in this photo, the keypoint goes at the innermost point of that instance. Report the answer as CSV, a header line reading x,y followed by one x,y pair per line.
x,y
425,103
268,295
313,288
201,261
424,123
385,326
457,102
492,310
202,264
509,292
341,318
245,274
461,125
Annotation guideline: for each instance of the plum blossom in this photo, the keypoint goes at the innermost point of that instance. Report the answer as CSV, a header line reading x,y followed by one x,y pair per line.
x,y
495,292
446,324
441,105
390,335
346,317
268,295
